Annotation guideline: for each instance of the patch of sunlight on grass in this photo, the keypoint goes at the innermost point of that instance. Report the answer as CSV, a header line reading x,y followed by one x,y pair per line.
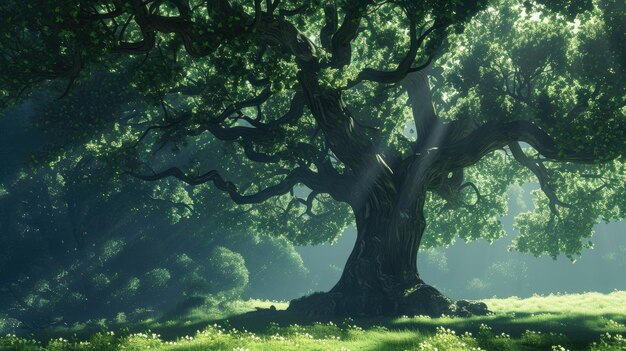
x,y
591,303
589,322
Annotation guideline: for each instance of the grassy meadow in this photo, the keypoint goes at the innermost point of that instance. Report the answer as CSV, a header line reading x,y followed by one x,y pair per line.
x,y
590,321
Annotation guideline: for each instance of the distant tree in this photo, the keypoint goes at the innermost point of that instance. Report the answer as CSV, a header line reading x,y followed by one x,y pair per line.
x,y
301,103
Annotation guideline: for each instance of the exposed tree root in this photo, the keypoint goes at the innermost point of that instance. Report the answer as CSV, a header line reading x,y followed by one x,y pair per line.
x,y
422,299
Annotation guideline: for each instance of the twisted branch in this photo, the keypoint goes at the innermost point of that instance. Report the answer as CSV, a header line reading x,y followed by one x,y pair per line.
x,y
492,136
541,172
298,175
404,67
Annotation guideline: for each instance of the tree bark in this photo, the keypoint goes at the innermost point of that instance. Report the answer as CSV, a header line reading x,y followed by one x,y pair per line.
x,y
382,267
381,275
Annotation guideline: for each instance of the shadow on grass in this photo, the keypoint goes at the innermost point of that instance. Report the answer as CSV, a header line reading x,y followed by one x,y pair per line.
x,y
576,327
579,329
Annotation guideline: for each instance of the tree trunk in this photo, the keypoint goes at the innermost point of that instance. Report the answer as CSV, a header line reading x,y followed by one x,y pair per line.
x,y
381,272
381,276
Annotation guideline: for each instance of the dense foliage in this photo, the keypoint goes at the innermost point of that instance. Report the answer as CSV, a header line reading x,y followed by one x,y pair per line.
x,y
564,76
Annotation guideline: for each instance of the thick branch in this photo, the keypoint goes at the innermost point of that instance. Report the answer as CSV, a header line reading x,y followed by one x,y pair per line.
x,y
345,137
421,102
298,175
404,67
196,45
280,32
341,48
496,135
260,131
308,202
542,175
255,101
330,26
148,35
323,182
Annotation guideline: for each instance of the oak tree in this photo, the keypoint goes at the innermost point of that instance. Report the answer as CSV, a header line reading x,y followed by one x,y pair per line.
x,y
396,109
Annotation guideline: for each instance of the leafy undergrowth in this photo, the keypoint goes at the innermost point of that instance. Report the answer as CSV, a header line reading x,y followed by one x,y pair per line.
x,y
589,321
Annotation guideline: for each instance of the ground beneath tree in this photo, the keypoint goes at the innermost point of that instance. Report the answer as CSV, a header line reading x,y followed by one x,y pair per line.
x,y
574,322
421,300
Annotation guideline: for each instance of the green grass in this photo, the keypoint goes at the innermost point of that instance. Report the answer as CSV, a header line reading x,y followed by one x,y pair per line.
x,y
589,321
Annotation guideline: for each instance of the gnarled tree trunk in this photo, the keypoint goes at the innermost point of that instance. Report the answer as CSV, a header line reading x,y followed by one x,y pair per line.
x,y
381,275
381,272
